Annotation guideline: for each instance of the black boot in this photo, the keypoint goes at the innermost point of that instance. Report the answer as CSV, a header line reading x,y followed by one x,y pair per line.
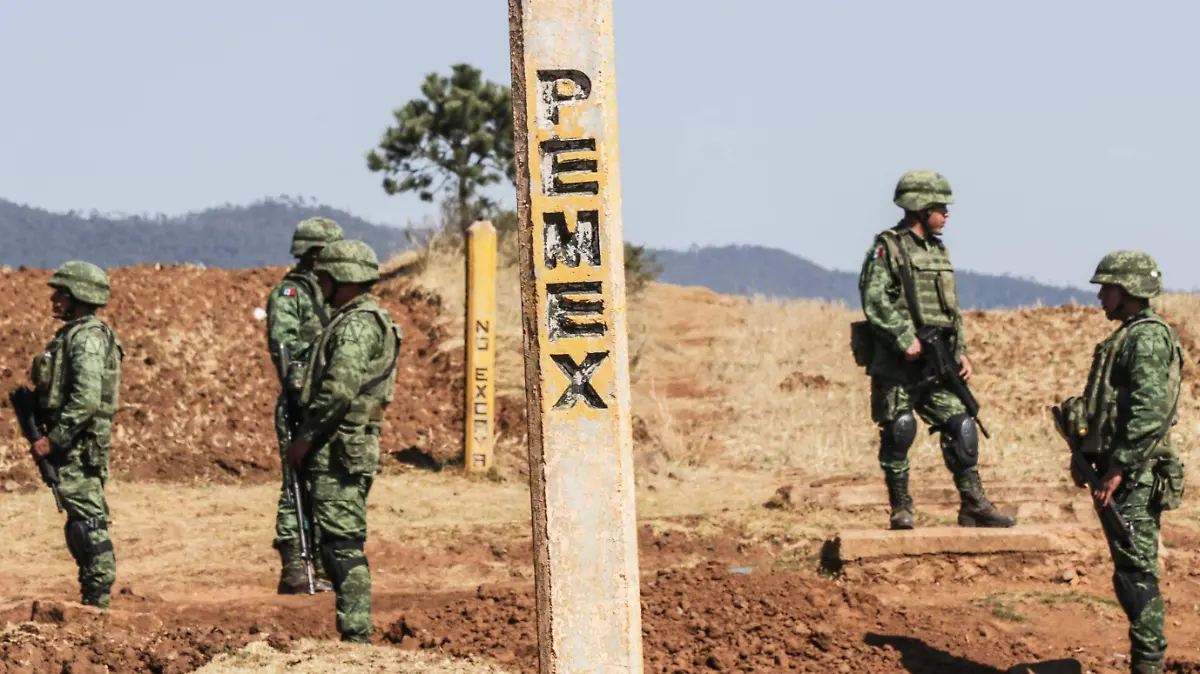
x,y
95,596
976,510
901,502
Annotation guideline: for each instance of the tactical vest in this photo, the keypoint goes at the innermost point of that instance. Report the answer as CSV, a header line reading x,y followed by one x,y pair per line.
x,y
1103,399
377,391
52,377
932,276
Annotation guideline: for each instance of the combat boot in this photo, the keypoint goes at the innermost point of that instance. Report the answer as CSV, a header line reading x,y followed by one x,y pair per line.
x,y
975,509
292,578
95,596
1147,664
900,501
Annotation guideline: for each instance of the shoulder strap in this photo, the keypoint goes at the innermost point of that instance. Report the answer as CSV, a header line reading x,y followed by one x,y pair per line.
x,y
906,282
314,294
100,325
387,327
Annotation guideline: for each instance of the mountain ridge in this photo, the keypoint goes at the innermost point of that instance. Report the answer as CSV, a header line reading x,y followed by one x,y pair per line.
x,y
257,235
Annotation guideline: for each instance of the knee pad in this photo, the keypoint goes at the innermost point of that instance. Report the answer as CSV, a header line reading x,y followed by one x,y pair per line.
x,y
896,437
79,540
1135,590
339,569
963,436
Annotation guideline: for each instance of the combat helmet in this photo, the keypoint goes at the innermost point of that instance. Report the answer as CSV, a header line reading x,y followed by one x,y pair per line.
x,y
314,233
85,281
920,189
349,262
1133,270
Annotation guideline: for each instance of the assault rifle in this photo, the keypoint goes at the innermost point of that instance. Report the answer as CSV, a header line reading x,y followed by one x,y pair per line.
x,y
941,367
295,491
1110,519
25,405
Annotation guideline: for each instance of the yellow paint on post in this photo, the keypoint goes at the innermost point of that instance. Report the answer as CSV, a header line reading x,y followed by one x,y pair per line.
x,y
576,344
480,427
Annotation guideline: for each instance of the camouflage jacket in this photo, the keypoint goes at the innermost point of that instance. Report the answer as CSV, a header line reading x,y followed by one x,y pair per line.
x,y
78,381
296,314
1133,391
886,307
352,376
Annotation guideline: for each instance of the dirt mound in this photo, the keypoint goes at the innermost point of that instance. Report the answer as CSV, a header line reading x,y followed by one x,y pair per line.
x,y
198,386
714,618
69,638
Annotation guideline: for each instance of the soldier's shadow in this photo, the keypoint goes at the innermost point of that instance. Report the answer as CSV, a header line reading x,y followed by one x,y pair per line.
x,y
918,657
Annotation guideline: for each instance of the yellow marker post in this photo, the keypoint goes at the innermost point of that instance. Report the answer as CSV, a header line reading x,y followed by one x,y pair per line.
x,y
576,345
480,420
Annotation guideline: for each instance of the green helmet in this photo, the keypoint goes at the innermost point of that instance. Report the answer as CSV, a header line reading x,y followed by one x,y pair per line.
x,y
349,262
1134,271
918,190
85,281
314,233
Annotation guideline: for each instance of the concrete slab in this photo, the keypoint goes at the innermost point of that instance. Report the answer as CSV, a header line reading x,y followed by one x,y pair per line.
x,y
859,496
866,544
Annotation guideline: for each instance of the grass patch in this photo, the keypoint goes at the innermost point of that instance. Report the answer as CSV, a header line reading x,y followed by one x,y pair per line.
x,y
1002,609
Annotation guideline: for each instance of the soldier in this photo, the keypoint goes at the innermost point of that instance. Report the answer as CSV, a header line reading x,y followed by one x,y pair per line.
x,y
78,382
351,380
1126,413
296,314
893,350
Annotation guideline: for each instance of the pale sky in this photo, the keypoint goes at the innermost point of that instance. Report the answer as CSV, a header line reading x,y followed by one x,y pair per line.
x,y
1067,128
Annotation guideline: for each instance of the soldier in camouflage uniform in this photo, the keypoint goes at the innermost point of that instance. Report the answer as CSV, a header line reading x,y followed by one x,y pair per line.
x,y
350,382
296,314
1124,417
893,352
78,382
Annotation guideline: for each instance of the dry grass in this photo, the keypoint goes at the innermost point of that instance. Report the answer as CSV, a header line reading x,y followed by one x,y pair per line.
x,y
765,384
209,543
310,657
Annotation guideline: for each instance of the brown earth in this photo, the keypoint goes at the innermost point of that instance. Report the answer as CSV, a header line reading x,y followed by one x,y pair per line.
x,y
453,577
737,610
198,389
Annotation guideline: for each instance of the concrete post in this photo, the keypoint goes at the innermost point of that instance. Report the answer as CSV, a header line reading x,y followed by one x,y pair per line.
x,y
479,426
576,345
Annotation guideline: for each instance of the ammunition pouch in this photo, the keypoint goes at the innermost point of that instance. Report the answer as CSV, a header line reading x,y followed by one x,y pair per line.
x,y
358,453
79,541
862,342
339,569
1168,487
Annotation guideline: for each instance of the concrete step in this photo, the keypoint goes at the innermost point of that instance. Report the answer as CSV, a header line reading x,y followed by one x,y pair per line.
x,y
868,544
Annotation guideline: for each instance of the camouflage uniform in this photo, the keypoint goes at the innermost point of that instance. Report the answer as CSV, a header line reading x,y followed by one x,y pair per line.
x,y
1127,410
892,331
296,314
78,382
352,379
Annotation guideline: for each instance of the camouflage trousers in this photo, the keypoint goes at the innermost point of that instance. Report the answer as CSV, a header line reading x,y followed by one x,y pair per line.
x,y
339,505
935,406
1135,572
286,530
86,530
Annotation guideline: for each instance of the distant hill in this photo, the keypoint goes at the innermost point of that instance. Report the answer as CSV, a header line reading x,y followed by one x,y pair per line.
x,y
232,237
750,270
256,235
